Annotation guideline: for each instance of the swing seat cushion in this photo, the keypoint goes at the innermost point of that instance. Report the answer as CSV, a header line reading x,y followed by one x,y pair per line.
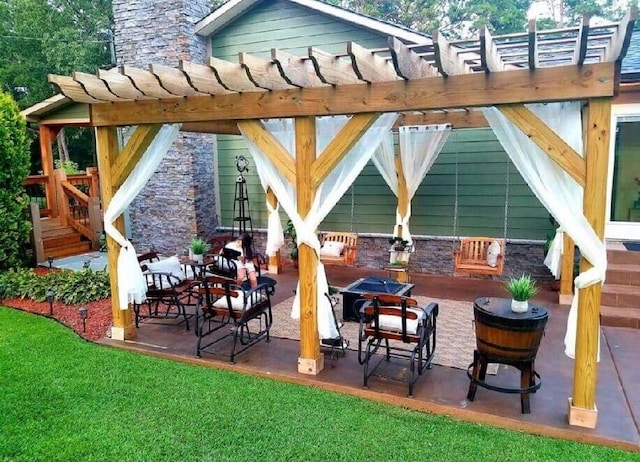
x,y
473,257
339,248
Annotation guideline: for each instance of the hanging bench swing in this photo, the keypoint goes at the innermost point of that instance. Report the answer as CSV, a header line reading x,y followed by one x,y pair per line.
x,y
479,255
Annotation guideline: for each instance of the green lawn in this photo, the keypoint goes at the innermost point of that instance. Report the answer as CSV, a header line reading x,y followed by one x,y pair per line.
x,y
62,398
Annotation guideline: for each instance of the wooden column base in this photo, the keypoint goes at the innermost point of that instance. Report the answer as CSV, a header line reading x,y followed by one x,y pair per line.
x,y
274,264
311,366
124,333
565,299
581,417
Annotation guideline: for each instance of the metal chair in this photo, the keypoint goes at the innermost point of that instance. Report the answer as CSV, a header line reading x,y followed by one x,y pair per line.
x,y
407,330
337,346
226,308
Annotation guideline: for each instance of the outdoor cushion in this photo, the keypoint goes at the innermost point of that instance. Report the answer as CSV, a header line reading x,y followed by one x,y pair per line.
x,y
331,249
394,323
168,265
492,254
237,303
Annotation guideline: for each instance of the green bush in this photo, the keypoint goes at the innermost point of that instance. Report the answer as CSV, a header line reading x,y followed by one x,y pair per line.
x,y
15,159
70,287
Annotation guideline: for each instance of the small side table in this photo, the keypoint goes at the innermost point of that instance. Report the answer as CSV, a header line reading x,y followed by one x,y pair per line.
x,y
505,337
398,272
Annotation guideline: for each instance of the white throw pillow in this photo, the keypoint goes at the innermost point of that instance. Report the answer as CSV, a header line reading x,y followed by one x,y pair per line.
x,y
169,265
331,249
492,254
394,323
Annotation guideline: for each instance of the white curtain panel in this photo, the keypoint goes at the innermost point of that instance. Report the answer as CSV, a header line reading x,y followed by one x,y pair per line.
x,y
275,233
553,260
327,194
131,283
419,148
555,189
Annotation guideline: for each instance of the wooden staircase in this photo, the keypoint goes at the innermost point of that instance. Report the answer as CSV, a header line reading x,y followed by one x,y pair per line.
x,y
62,241
620,304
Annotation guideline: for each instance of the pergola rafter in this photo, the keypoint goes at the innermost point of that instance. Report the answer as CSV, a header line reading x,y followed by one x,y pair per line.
x,y
426,82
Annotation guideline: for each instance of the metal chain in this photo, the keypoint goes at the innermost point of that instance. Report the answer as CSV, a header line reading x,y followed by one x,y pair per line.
x,y
455,207
506,200
353,206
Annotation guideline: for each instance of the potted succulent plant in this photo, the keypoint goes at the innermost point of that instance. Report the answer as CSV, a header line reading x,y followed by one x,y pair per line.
x,y
198,247
521,290
399,251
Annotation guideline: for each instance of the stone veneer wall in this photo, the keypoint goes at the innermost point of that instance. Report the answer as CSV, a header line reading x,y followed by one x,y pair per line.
x,y
435,256
179,200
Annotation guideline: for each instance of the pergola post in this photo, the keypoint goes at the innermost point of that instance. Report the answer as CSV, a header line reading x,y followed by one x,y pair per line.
x,y
566,273
46,156
582,405
403,196
274,260
108,151
311,360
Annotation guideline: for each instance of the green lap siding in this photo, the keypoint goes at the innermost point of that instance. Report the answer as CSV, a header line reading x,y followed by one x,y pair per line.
x,y
369,206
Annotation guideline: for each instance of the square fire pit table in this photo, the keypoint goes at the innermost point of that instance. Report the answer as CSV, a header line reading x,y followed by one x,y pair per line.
x,y
369,285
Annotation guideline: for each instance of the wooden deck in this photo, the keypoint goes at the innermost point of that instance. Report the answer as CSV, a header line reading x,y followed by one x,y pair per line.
x,y
443,390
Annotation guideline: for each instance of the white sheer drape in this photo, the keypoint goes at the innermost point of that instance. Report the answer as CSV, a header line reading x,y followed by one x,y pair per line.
x,y
327,194
557,191
275,234
419,148
131,284
553,260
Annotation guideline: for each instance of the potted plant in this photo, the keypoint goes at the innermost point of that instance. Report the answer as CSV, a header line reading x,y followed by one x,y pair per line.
x,y
290,232
521,290
399,251
198,248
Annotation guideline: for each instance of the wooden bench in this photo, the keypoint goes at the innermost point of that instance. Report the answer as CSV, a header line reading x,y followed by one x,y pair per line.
x,y
346,242
471,258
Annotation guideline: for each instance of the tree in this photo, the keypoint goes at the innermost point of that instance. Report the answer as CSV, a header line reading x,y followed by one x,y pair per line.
x,y
14,168
39,37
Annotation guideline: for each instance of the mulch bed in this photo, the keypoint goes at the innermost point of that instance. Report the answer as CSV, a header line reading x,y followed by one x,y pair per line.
x,y
98,322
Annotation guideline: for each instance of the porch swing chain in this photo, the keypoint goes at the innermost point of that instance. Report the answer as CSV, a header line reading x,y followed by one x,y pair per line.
x,y
455,206
506,200
353,207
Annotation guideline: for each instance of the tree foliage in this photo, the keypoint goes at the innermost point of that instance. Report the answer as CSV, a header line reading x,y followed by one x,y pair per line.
x,y
39,37
14,168
463,18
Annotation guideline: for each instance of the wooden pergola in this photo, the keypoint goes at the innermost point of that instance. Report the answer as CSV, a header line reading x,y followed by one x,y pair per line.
x,y
427,82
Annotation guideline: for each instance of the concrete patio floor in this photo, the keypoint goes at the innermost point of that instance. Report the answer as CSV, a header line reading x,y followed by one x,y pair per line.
x,y
443,390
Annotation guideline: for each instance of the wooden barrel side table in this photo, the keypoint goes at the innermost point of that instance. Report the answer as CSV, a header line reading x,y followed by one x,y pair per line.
x,y
505,337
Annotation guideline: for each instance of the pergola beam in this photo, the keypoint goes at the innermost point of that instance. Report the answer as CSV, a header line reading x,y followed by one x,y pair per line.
x,y
460,91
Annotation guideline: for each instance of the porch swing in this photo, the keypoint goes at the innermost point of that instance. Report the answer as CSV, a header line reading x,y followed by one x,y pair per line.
x,y
479,255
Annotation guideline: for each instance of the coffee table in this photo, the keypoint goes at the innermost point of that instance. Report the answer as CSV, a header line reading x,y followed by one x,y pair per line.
x,y
369,285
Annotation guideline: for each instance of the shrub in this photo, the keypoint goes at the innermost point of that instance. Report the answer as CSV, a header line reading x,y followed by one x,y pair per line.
x,y
70,287
15,159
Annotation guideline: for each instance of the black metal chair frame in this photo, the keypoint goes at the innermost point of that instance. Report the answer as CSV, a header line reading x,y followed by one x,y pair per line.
x,y
418,349
167,295
337,346
249,324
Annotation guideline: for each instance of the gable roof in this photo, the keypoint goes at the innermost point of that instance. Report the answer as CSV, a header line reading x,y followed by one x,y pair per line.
x,y
231,10
630,71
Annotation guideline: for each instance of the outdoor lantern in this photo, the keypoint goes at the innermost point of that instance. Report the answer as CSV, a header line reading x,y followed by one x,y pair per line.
x,y
86,264
50,260
83,311
51,295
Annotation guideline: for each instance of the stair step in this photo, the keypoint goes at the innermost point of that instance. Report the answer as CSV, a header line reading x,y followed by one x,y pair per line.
x,y
623,274
623,257
58,241
620,317
620,296
60,231
69,249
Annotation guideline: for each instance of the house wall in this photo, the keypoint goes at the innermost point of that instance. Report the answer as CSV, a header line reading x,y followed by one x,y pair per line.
x,y
369,206
179,200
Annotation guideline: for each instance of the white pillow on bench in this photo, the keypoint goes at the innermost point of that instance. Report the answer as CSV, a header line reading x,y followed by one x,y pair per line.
x,y
168,265
331,249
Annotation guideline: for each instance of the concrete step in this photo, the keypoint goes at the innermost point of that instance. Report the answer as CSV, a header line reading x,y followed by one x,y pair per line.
x,y
620,317
623,257
623,274
620,296
68,249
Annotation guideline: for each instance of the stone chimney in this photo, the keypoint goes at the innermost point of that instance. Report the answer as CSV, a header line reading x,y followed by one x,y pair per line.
x,y
178,203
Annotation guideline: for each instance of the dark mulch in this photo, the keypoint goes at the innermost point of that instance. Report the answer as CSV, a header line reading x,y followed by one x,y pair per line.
x,y
98,321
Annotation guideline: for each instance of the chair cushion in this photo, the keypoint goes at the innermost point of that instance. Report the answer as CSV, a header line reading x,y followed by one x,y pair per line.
x,y
394,323
237,303
493,251
168,265
331,249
